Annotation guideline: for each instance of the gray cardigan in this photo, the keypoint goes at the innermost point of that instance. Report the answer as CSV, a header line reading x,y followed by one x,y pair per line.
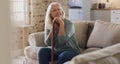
x,y
64,42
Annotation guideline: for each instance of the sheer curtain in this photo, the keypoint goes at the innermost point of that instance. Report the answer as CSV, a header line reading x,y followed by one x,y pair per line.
x,y
19,17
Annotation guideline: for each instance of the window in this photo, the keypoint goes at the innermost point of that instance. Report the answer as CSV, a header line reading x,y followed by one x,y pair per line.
x,y
75,3
18,11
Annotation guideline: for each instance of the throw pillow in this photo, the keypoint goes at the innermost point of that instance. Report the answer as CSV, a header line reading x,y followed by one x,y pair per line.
x,y
81,33
104,34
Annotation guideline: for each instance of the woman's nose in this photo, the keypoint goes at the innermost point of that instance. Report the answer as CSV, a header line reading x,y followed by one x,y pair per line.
x,y
58,11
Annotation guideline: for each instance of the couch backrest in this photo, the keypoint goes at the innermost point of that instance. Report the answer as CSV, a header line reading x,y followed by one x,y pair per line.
x,y
83,31
90,28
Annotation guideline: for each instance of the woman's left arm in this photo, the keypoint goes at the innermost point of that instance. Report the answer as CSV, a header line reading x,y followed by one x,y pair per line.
x,y
66,30
61,28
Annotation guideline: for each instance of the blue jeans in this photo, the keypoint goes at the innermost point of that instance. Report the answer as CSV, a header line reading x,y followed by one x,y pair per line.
x,y
44,56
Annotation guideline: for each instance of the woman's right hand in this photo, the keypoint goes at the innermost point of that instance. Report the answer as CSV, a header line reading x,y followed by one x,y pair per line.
x,y
58,20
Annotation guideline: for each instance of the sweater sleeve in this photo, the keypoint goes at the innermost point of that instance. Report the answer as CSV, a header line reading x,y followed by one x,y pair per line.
x,y
47,39
69,31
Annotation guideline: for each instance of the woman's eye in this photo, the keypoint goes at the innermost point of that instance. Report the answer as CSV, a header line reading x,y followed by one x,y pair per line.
x,y
56,10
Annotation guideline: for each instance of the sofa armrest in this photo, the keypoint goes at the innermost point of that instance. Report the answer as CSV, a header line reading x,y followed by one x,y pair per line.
x,y
108,55
36,39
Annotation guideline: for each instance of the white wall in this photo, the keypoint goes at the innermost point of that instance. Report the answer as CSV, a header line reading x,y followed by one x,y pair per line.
x,y
86,9
116,3
5,33
96,1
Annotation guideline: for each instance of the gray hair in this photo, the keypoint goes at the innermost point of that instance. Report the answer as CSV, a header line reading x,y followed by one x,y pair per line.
x,y
48,19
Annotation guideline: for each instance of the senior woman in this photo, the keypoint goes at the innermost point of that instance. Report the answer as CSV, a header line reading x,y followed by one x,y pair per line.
x,y
65,44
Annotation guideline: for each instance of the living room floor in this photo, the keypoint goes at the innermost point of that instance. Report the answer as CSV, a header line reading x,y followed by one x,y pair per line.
x,y
18,60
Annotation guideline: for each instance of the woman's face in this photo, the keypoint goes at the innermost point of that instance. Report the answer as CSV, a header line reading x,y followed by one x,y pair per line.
x,y
55,11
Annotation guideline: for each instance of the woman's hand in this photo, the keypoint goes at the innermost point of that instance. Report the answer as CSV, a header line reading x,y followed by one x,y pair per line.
x,y
61,25
59,21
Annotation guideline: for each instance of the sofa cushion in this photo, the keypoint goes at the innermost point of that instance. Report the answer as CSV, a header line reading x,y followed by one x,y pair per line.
x,y
81,33
90,50
90,28
104,34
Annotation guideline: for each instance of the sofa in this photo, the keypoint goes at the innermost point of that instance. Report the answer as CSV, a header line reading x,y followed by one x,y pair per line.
x,y
99,43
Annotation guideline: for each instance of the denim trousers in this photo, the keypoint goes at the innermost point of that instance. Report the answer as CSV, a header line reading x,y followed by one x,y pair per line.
x,y
44,56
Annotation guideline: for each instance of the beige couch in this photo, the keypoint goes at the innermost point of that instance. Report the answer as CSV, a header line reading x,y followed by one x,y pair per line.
x,y
99,43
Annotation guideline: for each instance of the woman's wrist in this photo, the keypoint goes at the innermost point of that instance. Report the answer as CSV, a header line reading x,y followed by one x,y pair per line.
x,y
61,23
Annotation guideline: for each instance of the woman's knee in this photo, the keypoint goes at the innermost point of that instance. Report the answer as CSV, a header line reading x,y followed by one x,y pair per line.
x,y
44,55
44,51
67,55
